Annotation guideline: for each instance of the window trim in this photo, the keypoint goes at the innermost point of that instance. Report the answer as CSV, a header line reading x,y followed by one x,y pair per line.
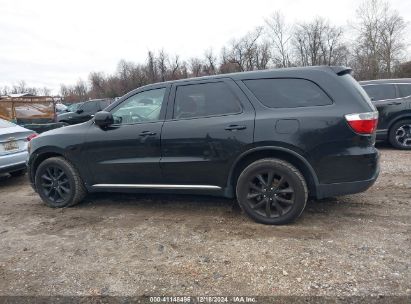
x,y
288,108
162,110
196,82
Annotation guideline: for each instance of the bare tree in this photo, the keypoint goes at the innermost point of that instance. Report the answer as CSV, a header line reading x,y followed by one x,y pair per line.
x,y
319,43
280,36
196,67
379,45
162,64
243,51
210,65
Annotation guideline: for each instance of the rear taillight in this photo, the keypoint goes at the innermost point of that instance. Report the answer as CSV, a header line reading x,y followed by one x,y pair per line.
x,y
31,136
363,123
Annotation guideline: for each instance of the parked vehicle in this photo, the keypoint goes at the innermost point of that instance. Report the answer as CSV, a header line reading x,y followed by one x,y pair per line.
x,y
37,113
84,112
13,147
392,98
269,138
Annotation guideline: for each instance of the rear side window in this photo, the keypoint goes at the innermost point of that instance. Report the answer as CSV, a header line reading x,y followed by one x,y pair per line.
x,y
405,89
206,99
380,91
288,93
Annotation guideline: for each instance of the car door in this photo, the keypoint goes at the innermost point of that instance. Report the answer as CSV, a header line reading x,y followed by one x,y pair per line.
x,y
86,111
128,152
385,98
208,125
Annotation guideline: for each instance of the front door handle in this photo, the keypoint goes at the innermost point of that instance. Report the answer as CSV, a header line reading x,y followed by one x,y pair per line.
x,y
147,133
395,103
235,127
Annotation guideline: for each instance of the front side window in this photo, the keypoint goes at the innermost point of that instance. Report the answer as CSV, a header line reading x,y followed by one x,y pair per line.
x,y
287,93
405,89
380,91
141,107
206,99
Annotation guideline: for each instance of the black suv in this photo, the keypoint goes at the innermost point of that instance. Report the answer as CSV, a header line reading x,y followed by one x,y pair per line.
x,y
269,138
84,112
392,98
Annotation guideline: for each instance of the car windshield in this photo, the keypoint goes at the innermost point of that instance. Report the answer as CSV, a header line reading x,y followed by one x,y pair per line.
x,y
73,107
6,124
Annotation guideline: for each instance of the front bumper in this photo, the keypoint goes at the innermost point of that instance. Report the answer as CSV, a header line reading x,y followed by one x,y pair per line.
x,y
13,162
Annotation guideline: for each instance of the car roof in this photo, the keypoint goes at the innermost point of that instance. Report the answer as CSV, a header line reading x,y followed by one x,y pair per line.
x,y
386,81
259,74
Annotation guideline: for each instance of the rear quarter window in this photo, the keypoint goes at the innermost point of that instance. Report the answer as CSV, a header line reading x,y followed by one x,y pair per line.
x,y
287,93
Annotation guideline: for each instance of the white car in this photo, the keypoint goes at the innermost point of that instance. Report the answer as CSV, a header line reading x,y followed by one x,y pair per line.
x,y
13,147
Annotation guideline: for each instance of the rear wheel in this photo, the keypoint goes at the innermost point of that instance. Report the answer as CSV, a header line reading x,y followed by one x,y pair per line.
x,y
272,191
58,183
400,135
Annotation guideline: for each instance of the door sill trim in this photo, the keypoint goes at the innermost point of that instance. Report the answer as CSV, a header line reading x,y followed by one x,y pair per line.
x,y
156,186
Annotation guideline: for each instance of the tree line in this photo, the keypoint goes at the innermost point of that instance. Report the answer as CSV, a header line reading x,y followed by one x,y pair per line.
x,y
378,50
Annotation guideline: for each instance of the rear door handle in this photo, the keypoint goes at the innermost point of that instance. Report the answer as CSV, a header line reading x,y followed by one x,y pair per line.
x,y
147,133
235,127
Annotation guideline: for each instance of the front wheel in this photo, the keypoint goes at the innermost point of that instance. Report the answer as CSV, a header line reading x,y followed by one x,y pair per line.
x,y
58,183
272,191
400,135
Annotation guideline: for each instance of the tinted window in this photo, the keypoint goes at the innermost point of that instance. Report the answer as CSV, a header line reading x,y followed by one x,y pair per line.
x,y
405,89
380,91
288,93
141,107
208,99
90,107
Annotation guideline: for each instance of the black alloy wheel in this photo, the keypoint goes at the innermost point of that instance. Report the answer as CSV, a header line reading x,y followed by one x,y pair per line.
x,y
59,183
272,191
55,185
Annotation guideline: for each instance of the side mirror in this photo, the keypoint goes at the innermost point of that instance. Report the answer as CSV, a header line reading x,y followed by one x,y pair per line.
x,y
103,119
79,111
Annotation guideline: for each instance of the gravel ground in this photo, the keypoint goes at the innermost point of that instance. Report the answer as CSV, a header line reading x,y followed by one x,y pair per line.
x,y
185,245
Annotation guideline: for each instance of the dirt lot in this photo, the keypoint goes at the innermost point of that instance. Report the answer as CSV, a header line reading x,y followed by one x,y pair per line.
x,y
185,245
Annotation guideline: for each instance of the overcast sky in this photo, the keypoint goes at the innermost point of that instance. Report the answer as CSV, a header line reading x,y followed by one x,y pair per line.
x,y
49,42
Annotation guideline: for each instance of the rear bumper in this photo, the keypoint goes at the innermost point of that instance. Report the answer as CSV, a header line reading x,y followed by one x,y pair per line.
x,y
337,189
13,162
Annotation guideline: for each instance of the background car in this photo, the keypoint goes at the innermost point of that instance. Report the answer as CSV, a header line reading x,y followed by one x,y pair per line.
x,y
392,98
13,147
84,111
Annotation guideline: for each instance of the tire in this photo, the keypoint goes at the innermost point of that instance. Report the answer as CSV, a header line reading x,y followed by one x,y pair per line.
x,y
287,191
18,173
64,123
400,135
58,183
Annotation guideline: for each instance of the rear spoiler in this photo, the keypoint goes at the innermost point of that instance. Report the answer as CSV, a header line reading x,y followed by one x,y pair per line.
x,y
341,70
